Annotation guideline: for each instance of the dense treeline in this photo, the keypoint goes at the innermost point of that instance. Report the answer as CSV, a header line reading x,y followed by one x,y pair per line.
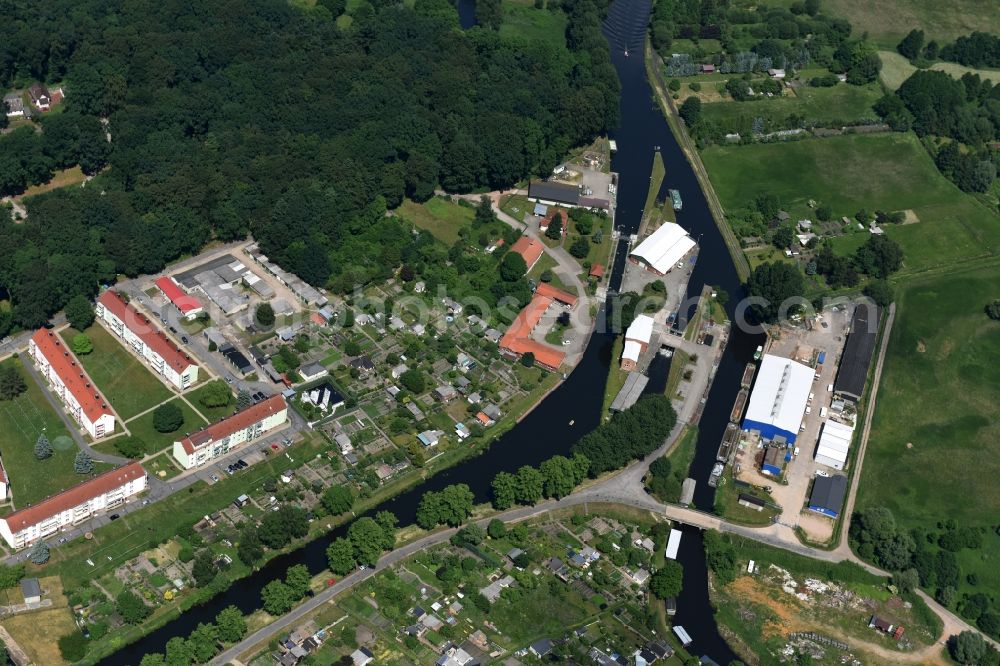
x,y
29,158
967,110
258,116
980,49
629,435
928,557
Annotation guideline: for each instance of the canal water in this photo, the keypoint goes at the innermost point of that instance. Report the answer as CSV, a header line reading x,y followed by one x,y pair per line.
x,y
546,431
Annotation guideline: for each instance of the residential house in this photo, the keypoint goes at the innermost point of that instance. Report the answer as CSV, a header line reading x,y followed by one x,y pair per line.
x,y
14,105
40,97
312,371
362,656
541,647
363,364
445,393
343,440
430,437
398,371
417,413
462,431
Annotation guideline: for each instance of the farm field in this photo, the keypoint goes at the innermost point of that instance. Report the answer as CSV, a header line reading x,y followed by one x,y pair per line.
x,y
841,104
839,172
896,69
926,441
129,386
21,421
888,22
439,216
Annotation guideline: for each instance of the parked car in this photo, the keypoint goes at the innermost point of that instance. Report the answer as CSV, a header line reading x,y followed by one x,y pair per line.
x,y
821,472
184,339
114,516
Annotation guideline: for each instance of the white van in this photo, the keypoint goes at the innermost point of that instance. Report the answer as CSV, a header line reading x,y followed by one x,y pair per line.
x,y
823,411
809,410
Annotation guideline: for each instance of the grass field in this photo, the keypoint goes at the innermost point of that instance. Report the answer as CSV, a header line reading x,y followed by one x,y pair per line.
x,y
438,216
939,392
523,20
213,414
882,171
841,104
21,421
61,178
143,428
128,385
161,463
38,632
896,69
888,22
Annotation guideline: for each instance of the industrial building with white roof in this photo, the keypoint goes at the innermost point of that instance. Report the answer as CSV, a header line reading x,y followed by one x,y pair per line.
x,y
637,338
779,398
663,249
834,444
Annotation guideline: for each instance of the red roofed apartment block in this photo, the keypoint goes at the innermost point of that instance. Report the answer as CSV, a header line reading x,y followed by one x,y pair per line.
x,y
222,437
139,333
70,383
73,506
529,248
189,306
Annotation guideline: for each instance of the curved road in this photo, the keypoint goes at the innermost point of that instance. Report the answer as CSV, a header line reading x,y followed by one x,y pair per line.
x,y
626,488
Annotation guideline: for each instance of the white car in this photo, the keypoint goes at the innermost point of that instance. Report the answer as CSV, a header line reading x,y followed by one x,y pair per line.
x,y
796,452
821,472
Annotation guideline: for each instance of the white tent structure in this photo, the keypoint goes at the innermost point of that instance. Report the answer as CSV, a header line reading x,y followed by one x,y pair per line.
x,y
779,398
833,444
632,351
663,248
640,330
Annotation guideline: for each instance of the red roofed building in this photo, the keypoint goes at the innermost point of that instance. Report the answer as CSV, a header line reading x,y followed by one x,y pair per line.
x,y
543,226
547,290
189,306
529,248
220,438
139,333
73,506
597,271
70,383
517,340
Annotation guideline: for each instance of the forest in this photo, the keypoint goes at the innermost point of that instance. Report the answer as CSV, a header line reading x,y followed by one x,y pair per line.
x,y
259,117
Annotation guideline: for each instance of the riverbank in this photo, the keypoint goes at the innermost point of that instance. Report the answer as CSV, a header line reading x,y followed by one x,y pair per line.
x,y
694,159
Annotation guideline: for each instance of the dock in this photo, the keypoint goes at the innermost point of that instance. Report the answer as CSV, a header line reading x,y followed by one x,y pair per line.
x,y
687,491
673,544
633,387
748,374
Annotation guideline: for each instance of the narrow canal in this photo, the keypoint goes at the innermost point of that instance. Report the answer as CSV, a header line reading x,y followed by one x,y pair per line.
x,y
546,431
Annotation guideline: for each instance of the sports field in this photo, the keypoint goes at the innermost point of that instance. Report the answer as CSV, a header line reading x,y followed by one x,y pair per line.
x,y
934,450
21,421
888,21
126,382
839,105
881,171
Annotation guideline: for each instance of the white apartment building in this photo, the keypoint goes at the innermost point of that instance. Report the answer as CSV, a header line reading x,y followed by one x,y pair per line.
x,y
73,506
220,438
4,483
137,331
70,383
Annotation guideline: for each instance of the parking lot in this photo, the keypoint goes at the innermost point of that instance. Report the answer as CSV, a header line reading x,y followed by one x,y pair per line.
x,y
804,344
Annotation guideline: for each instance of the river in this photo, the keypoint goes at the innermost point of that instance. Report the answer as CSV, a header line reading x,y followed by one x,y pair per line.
x,y
546,431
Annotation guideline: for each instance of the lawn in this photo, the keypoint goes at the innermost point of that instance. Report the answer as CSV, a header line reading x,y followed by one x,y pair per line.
x,y
129,386
546,262
523,20
161,463
61,178
896,69
38,632
439,216
883,171
935,442
888,22
824,107
21,421
213,414
143,428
